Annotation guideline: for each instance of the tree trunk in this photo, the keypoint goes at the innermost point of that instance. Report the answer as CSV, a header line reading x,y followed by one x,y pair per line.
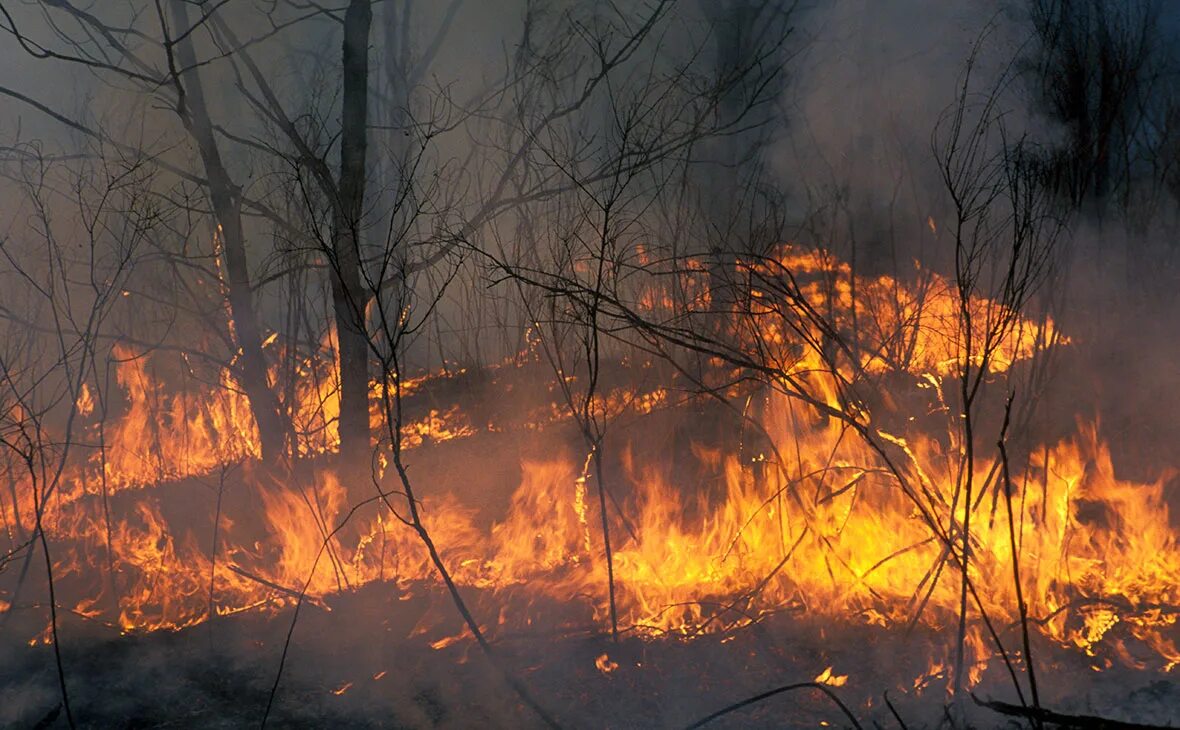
x,y
348,295
226,200
732,24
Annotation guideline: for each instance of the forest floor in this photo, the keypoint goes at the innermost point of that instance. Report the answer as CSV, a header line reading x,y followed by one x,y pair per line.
x,y
354,663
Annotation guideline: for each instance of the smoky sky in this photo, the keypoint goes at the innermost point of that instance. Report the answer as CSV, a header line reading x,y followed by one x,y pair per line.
x,y
867,80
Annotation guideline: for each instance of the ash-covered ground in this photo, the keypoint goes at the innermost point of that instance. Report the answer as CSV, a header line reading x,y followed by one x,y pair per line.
x,y
357,665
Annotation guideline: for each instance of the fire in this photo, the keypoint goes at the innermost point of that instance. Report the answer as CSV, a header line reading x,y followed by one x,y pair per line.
x,y
805,517
604,664
85,402
830,679
895,327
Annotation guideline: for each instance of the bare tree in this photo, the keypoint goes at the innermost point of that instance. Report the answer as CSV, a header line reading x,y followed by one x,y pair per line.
x,y
1097,70
71,270
1004,230
169,64
225,197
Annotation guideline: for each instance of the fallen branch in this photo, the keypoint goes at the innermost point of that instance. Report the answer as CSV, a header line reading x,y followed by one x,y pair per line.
x,y
1082,722
269,584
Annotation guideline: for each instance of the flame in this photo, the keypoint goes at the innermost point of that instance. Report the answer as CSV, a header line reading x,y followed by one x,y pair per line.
x,y
807,517
84,403
605,665
830,679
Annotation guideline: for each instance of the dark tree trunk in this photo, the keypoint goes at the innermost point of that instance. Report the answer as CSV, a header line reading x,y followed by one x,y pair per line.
x,y
348,295
731,28
226,201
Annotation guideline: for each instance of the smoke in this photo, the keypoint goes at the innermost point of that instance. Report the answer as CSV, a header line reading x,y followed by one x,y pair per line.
x,y
856,155
867,94
868,84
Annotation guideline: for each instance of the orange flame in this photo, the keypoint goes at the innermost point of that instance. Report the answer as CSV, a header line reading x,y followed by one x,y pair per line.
x,y
816,520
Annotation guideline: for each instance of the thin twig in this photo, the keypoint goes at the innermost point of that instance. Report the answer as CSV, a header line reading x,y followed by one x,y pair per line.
x,y
771,693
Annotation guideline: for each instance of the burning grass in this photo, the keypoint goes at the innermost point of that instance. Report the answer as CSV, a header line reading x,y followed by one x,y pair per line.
x,y
726,521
